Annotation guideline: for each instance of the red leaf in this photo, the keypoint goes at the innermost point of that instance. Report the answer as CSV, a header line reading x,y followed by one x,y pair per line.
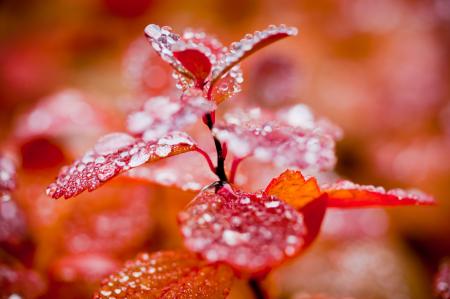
x,y
115,153
345,194
442,281
293,189
168,274
247,46
161,115
251,133
197,63
251,232
226,86
313,215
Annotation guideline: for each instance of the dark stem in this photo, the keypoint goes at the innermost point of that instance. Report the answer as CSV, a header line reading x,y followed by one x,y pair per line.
x,y
220,168
257,289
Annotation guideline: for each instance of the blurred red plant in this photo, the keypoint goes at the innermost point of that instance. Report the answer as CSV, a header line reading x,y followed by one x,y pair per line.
x,y
228,232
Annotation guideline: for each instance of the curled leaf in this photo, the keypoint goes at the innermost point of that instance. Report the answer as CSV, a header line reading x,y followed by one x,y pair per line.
x,y
346,194
293,189
115,153
188,172
197,63
168,274
251,232
247,46
161,115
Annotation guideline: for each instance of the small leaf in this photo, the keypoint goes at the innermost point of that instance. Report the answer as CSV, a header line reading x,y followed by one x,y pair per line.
x,y
162,40
252,133
115,153
197,63
345,194
293,189
161,115
250,232
168,274
247,46
83,267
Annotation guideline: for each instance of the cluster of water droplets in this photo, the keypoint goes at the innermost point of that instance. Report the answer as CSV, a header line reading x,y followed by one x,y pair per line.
x,y
149,275
397,194
240,49
164,114
253,133
250,232
113,154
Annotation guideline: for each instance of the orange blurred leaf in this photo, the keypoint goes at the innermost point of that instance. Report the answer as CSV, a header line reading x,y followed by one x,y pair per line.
x,y
168,274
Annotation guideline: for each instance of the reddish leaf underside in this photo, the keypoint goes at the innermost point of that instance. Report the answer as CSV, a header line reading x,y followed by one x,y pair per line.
x,y
345,194
169,274
196,63
247,46
115,153
252,233
292,188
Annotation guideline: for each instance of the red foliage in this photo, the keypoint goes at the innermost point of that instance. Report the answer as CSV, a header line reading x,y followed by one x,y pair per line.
x,y
168,274
442,281
113,154
345,194
251,232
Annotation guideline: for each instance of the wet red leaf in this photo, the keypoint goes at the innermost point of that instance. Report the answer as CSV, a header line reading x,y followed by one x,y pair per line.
x,y
293,189
345,194
115,153
83,267
253,133
249,45
251,232
168,274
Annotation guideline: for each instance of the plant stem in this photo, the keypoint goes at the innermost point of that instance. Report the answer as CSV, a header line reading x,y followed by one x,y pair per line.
x,y
220,168
207,157
234,166
257,289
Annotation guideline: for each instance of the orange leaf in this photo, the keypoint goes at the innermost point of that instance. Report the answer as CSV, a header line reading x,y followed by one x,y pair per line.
x,y
292,188
168,274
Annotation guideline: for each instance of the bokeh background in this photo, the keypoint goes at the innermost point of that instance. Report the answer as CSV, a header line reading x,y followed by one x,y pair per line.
x,y
70,70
